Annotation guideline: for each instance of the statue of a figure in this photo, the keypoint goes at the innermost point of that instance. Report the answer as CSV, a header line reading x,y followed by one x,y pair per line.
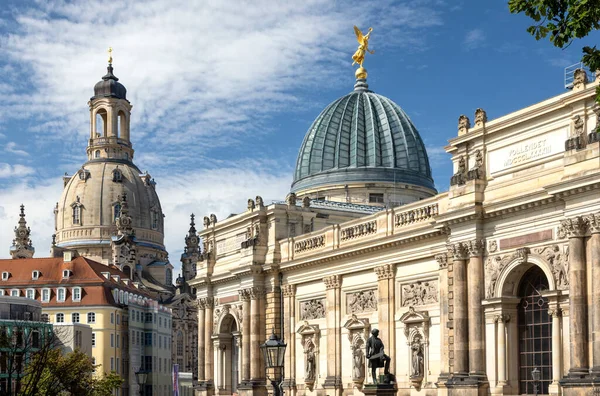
x,y
375,355
310,362
358,363
417,358
363,41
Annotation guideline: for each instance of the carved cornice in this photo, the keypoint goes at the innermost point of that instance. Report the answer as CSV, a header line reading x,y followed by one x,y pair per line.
x,y
459,251
332,282
442,260
475,247
575,227
288,290
593,221
385,271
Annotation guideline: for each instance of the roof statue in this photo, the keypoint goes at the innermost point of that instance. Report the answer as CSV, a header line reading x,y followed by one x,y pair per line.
x,y
110,55
363,47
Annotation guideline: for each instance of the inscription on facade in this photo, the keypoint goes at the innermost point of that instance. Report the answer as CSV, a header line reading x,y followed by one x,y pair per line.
x,y
528,150
230,244
362,301
419,293
312,309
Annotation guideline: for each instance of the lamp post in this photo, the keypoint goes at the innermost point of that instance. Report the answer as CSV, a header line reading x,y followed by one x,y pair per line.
x,y
274,352
140,377
535,376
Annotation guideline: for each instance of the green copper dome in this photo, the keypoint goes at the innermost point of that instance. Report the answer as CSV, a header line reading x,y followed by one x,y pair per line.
x,y
362,137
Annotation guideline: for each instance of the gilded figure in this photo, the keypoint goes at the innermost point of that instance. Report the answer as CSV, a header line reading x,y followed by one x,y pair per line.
x,y
363,46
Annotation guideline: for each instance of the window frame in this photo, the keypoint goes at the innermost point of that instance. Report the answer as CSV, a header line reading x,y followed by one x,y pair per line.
x,y
46,290
93,316
15,290
27,291
93,339
76,214
35,275
5,275
76,291
73,317
58,290
62,316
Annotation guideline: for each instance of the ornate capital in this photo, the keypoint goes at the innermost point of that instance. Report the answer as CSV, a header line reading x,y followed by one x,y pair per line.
x,y
593,221
555,312
442,260
256,292
459,251
288,290
385,271
332,282
575,227
206,302
475,247
244,294
502,318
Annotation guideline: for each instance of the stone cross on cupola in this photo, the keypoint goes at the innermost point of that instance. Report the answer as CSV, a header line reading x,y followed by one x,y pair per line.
x,y
110,113
21,247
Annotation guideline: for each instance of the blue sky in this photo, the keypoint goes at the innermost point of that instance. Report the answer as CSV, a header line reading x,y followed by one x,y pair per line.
x,y
223,92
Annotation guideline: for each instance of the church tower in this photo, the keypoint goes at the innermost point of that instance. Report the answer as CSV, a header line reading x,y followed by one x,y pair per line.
x,y
22,247
189,258
87,215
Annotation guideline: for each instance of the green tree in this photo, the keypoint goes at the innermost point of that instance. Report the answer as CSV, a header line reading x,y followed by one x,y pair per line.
x,y
72,374
563,21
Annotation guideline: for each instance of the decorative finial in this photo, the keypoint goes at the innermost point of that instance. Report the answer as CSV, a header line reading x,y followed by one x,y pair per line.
x,y
110,55
359,55
192,217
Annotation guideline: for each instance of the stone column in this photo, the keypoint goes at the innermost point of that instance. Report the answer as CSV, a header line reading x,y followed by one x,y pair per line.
x,y
256,368
209,304
333,381
501,320
442,260
289,334
556,313
245,368
201,319
476,323
594,225
461,336
578,321
386,275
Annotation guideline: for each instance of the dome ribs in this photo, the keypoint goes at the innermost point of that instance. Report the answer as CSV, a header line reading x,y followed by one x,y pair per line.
x,y
342,144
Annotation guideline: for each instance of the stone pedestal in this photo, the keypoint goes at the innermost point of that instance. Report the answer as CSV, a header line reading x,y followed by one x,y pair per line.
x,y
205,388
464,385
380,390
252,388
577,386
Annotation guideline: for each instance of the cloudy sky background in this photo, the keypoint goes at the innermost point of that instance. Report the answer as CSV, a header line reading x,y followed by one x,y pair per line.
x,y
224,91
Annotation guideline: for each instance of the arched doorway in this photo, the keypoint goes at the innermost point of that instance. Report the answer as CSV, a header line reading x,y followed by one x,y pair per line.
x,y
228,356
535,332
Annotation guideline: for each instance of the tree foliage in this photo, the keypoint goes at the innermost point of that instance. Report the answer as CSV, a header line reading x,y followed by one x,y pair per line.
x,y
563,21
71,374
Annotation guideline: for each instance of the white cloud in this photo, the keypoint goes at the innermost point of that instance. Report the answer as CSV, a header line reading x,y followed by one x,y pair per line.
x,y
474,39
10,171
11,147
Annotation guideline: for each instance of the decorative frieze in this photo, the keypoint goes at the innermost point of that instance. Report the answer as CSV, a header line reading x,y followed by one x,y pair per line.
x,y
309,244
559,263
385,271
361,301
420,293
416,215
442,260
332,282
359,230
312,309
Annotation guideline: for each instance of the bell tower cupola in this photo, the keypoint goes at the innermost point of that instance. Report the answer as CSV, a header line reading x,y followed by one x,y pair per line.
x,y
110,114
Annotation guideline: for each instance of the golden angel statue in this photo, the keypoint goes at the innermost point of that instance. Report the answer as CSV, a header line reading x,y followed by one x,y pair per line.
x,y
363,41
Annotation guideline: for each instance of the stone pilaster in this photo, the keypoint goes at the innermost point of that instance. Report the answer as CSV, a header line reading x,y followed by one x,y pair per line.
x,y
386,275
206,387
594,226
476,323
442,260
556,314
575,229
201,329
256,334
461,336
245,369
289,325
333,303
501,322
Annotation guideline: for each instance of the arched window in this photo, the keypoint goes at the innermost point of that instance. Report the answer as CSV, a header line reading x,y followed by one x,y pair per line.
x,y
97,154
101,117
117,175
154,216
77,214
127,271
122,126
116,211
179,343
169,277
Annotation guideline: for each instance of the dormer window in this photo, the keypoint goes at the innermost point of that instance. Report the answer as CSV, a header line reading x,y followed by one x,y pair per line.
x,y
61,294
35,274
117,175
66,274
84,174
76,294
76,212
5,275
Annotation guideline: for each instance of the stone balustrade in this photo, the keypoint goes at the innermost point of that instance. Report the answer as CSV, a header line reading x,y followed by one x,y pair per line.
x,y
309,244
416,215
359,230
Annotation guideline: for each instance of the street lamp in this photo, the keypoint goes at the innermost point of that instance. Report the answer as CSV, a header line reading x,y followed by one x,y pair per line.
x,y
536,375
140,377
274,352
